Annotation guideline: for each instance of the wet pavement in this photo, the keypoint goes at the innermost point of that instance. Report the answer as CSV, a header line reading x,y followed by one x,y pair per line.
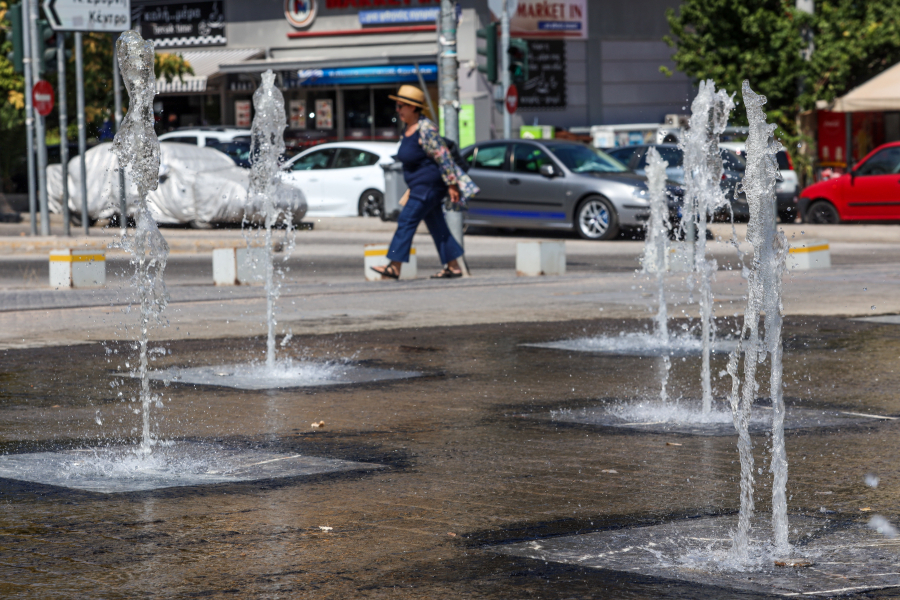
x,y
462,468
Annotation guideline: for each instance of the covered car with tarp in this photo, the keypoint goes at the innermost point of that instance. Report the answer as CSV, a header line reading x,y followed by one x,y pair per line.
x,y
197,185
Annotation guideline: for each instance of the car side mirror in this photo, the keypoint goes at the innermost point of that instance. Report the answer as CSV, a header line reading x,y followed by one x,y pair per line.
x,y
548,171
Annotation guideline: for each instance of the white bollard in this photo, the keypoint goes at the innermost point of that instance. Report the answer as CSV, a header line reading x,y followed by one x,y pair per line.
x,y
375,255
540,258
77,268
239,266
809,254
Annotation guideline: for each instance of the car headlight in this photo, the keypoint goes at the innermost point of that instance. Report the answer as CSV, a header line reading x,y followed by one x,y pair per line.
x,y
641,194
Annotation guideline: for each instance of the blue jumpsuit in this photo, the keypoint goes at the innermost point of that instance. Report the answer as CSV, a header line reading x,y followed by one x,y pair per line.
x,y
427,192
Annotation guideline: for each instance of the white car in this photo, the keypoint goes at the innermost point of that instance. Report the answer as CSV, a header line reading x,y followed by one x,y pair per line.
x,y
206,136
342,179
787,190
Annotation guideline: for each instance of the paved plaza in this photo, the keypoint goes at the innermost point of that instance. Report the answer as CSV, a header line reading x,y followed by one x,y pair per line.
x,y
442,476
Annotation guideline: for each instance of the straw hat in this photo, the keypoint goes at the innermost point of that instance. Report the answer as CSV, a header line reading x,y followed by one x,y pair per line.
x,y
410,94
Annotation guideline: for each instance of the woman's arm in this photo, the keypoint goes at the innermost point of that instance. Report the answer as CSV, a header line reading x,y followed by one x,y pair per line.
x,y
434,147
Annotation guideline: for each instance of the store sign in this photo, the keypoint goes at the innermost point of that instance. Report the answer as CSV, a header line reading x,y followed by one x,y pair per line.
x,y
184,24
300,13
543,19
324,114
367,75
297,115
546,83
242,113
400,16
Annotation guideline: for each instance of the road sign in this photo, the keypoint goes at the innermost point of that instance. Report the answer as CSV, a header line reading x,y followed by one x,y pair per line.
x,y
42,97
512,99
88,15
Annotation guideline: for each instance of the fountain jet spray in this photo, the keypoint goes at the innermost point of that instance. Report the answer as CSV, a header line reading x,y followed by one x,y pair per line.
x,y
763,295
703,195
137,149
267,147
656,252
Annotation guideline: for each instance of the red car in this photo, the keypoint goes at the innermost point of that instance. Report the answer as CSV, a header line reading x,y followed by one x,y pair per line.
x,y
870,192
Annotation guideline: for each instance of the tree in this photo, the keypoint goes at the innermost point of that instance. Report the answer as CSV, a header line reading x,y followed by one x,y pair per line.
x,y
761,41
98,78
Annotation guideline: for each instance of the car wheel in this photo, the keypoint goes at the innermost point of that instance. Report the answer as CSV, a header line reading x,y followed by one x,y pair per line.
x,y
822,212
371,204
596,219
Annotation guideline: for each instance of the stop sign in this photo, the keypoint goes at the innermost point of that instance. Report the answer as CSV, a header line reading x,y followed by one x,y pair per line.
x,y
42,97
512,98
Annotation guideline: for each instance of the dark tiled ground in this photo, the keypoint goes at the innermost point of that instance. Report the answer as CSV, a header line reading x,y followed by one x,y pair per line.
x,y
466,470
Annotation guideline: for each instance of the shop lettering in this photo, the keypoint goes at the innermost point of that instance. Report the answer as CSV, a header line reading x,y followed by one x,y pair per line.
x,y
548,10
162,14
341,4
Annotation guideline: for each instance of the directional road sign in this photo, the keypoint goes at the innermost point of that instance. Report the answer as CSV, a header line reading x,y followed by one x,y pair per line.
x,y
88,15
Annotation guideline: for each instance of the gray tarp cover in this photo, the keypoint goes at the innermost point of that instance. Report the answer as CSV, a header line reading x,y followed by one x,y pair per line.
x,y
195,185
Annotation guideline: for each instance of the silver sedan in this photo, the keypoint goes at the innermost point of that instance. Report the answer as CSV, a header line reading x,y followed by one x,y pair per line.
x,y
556,185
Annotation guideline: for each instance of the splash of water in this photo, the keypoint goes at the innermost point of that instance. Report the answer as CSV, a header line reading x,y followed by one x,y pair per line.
x,y
703,195
656,253
763,295
137,149
267,147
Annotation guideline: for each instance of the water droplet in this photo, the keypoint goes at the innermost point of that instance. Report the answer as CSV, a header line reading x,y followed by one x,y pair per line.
x,y
873,307
871,480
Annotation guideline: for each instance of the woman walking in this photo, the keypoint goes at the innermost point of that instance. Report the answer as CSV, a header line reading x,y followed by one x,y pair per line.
x,y
431,175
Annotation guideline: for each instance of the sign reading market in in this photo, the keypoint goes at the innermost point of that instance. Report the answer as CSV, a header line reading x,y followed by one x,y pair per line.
x,y
545,19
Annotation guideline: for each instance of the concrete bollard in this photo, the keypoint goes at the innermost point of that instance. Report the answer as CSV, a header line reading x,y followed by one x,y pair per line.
x,y
375,255
809,254
540,258
77,268
239,266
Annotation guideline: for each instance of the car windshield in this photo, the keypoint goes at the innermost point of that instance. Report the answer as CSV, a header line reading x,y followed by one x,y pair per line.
x,y
733,162
584,159
239,152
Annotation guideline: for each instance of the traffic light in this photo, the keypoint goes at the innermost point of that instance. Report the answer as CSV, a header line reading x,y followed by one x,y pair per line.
x,y
489,34
46,47
518,60
18,51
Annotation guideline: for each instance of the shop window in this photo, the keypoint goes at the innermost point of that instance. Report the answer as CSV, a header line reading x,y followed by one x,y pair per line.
x,y
319,159
348,158
357,113
385,109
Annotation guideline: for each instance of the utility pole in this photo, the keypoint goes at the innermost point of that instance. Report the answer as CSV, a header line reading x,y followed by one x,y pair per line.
x,y
117,94
63,127
504,67
82,133
449,103
28,67
39,129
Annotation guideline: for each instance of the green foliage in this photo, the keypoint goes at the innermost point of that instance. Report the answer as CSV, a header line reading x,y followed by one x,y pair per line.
x,y
763,41
12,106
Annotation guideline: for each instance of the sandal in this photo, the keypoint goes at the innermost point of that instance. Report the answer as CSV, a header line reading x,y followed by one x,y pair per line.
x,y
447,273
387,271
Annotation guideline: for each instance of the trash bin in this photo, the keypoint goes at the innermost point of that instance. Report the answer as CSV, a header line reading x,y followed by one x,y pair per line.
x,y
394,188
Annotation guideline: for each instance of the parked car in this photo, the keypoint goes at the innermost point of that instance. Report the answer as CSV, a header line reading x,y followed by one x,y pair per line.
x,y
342,179
786,189
197,185
635,158
869,192
206,136
555,185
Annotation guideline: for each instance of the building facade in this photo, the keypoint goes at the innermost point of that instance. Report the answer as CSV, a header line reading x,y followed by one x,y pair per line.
x,y
592,62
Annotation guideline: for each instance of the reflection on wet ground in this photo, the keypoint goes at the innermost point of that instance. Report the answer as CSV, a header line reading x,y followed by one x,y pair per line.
x,y
462,470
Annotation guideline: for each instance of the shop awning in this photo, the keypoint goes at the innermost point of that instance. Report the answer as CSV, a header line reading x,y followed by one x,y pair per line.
x,y
881,93
205,64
